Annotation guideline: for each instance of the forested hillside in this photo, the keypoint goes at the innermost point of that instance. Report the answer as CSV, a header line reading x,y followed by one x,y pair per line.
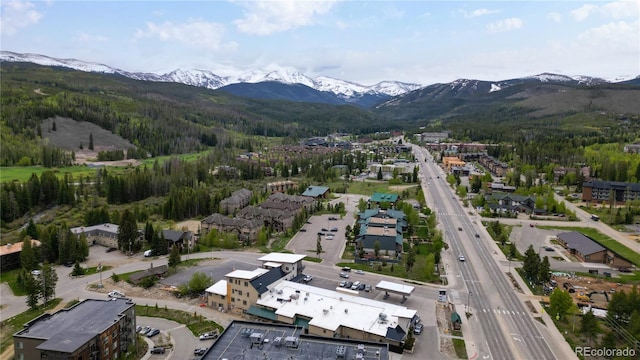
x,y
160,118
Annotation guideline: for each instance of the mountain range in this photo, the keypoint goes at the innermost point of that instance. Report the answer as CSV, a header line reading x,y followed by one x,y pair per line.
x,y
289,84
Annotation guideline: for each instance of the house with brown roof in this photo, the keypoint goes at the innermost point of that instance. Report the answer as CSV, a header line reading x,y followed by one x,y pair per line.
x,y
246,229
10,255
588,250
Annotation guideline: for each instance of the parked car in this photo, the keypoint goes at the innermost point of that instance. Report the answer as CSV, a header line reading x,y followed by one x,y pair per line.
x,y
346,268
359,272
344,275
158,350
110,249
343,283
138,328
208,335
200,351
348,285
333,218
418,329
324,229
153,332
329,237
361,287
334,229
145,330
367,288
307,278
148,253
303,230
116,294
548,248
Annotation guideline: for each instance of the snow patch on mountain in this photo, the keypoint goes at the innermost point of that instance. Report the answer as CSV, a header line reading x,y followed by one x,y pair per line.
x,y
495,87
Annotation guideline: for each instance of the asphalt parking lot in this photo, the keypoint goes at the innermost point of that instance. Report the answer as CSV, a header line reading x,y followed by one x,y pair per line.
x,y
304,242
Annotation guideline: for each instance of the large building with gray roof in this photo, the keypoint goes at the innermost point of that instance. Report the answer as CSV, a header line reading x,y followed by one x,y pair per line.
x,y
253,341
91,329
588,250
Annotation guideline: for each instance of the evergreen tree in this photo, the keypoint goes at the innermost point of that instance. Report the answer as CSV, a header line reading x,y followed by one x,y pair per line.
x,y
48,281
531,265
31,287
54,127
91,141
32,230
318,247
379,173
544,272
127,231
589,325
174,257
28,259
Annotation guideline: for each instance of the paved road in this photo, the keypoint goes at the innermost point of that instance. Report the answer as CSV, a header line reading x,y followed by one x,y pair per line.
x,y
504,328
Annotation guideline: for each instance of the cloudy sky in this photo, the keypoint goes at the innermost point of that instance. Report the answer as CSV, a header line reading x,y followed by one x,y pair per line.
x,y
366,42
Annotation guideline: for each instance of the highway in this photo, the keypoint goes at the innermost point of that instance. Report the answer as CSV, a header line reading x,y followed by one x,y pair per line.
x,y
503,327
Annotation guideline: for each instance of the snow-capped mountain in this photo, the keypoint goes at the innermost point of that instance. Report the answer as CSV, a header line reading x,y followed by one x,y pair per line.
x,y
208,79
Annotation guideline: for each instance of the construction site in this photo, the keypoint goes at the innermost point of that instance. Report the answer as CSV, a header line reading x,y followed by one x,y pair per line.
x,y
589,291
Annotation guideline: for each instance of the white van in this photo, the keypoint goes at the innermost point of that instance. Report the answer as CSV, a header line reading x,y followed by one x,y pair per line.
x,y
355,285
148,253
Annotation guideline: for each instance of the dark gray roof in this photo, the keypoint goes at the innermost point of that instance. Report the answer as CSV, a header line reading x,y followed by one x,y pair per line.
x,y
261,282
68,329
614,185
580,243
231,345
176,235
396,333
369,241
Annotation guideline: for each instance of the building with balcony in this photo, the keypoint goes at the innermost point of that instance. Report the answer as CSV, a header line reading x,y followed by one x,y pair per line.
x,y
89,330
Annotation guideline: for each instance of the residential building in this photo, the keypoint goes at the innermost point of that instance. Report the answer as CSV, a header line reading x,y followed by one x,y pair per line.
x,y
316,192
10,255
378,198
433,137
103,234
281,186
90,329
503,202
632,148
615,192
252,340
588,250
179,238
380,229
246,230
237,200
278,219
493,165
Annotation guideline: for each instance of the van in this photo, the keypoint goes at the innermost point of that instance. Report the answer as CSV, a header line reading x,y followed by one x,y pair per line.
x,y
355,285
148,253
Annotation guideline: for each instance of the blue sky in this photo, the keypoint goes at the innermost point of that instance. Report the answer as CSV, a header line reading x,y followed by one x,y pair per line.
x,y
366,42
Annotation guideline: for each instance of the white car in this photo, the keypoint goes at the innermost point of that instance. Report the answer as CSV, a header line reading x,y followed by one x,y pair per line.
x,y
359,272
461,257
116,294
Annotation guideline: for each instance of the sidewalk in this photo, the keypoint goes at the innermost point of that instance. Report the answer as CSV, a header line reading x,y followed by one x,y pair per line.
x,y
560,348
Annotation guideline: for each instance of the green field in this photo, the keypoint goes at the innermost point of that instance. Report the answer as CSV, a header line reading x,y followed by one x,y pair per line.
x,y
23,173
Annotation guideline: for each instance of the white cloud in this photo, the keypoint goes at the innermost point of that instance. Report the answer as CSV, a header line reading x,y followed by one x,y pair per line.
x,y
267,17
194,33
555,17
583,12
478,12
614,10
620,35
17,14
504,25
